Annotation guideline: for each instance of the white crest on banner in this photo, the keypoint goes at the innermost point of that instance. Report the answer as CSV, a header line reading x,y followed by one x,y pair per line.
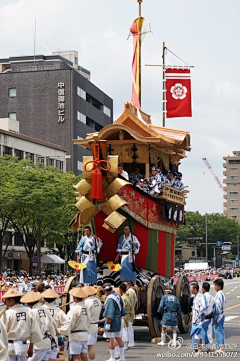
x,y
178,91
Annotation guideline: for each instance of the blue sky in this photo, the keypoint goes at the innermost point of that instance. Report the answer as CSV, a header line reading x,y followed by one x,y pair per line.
x,y
205,33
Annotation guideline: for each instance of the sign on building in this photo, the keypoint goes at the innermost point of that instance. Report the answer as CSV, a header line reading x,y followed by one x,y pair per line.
x,y
61,102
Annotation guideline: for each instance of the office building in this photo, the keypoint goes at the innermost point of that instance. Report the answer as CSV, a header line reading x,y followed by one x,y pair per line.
x,y
232,185
53,100
21,146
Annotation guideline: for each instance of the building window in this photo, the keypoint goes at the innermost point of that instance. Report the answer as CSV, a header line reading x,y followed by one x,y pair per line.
x,y
50,162
18,241
233,178
234,217
12,115
81,117
29,155
18,153
7,151
107,111
193,253
59,164
80,165
81,93
233,170
12,92
237,161
7,238
233,210
76,60
233,202
98,127
233,186
234,194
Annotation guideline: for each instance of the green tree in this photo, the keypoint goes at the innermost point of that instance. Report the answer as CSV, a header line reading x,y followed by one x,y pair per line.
x,y
219,228
29,194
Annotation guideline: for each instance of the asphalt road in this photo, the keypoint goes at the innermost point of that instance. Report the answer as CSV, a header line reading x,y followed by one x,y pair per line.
x,y
145,350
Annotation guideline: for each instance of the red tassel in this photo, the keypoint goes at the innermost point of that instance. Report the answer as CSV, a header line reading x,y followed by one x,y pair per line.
x,y
97,190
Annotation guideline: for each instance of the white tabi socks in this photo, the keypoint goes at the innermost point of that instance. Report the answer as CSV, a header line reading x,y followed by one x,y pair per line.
x,y
121,354
162,340
174,339
112,354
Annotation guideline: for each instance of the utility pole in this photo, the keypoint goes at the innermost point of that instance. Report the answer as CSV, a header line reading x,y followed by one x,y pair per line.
x,y
238,248
206,240
39,245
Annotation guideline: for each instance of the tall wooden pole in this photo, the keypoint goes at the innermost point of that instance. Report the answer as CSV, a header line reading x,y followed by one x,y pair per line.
x,y
139,60
164,88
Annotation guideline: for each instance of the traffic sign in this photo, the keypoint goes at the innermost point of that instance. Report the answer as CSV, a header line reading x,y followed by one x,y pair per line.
x,y
10,255
219,243
35,259
226,247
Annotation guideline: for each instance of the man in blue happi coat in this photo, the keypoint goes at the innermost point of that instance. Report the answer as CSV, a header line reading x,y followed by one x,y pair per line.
x,y
128,246
170,307
113,311
219,317
198,333
86,250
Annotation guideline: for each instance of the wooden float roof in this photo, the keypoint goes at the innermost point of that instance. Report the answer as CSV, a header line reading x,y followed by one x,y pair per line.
x,y
135,127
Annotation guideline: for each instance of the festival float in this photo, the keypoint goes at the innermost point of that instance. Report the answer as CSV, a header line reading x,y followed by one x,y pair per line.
x,y
107,202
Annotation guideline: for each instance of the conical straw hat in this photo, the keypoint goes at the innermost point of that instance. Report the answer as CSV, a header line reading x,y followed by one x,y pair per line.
x,y
50,294
31,296
78,292
11,293
90,291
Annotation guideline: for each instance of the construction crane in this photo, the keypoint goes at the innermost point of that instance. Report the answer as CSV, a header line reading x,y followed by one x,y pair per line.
x,y
217,180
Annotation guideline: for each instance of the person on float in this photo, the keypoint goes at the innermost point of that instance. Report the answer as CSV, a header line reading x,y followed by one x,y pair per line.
x,y
79,325
219,317
113,311
94,307
88,246
60,320
128,246
122,172
20,325
170,308
45,349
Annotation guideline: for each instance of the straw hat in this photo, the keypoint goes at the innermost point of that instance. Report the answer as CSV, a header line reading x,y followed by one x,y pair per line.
x,y
11,293
78,292
50,294
90,291
31,296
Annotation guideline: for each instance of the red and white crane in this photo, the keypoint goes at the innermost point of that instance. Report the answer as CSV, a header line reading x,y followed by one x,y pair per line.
x,y
217,180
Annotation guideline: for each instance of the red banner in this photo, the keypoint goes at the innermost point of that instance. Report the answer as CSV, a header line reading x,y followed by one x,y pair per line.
x,y
178,93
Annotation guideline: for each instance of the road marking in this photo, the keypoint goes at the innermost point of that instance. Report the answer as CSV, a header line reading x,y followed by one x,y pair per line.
x,y
238,296
229,308
228,293
229,318
235,287
232,290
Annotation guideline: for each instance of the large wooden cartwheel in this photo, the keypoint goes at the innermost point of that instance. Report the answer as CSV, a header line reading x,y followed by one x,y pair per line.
x,y
72,282
155,291
183,295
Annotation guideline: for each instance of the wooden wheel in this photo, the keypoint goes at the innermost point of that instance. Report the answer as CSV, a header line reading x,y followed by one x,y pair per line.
x,y
72,282
183,295
154,293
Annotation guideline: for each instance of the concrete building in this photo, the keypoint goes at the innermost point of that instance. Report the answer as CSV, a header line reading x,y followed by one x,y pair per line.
x,y
53,100
21,146
232,185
